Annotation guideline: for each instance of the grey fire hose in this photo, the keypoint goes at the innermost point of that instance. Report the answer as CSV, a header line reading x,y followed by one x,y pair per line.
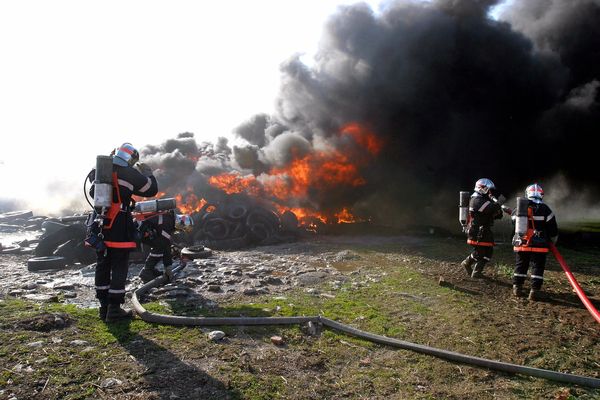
x,y
445,354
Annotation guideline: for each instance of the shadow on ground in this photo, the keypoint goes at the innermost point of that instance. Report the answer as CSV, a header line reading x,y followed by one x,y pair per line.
x,y
166,375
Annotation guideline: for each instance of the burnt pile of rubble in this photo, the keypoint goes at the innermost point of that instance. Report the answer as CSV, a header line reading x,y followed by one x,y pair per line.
x,y
53,242
235,225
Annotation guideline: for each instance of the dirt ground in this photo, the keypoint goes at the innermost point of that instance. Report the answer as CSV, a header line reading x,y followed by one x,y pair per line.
x,y
407,287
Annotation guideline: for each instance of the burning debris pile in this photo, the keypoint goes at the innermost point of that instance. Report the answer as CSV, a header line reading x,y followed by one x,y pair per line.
x,y
399,109
403,106
235,204
237,224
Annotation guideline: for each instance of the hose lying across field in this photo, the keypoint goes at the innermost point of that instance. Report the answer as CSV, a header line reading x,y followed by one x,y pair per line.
x,y
445,354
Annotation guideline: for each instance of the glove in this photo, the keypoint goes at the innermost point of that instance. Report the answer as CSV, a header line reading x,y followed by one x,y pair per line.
x,y
169,273
500,199
144,169
506,209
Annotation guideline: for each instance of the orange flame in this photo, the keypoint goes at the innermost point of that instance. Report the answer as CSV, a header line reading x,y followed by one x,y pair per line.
x,y
235,183
320,170
304,215
190,203
345,217
363,137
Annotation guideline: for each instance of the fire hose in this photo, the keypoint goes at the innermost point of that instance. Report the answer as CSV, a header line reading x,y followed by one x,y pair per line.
x,y
580,293
444,354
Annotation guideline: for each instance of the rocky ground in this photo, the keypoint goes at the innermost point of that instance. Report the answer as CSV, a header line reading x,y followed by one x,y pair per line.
x,y
410,287
257,271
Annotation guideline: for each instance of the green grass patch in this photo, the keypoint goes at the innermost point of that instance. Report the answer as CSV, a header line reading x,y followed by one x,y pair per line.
x,y
395,294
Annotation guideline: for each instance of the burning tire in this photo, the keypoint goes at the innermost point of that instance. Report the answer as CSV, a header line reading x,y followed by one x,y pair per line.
x,y
264,216
289,221
206,209
260,232
49,262
238,230
216,228
262,224
194,252
237,211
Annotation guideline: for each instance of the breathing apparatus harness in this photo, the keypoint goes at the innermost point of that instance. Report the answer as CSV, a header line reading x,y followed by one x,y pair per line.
x,y
465,218
105,208
526,233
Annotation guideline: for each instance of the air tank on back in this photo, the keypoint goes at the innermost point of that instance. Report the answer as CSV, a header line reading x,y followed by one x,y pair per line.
x,y
521,219
463,207
103,190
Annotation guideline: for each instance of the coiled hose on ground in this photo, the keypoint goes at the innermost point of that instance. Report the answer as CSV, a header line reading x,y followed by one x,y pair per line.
x,y
445,354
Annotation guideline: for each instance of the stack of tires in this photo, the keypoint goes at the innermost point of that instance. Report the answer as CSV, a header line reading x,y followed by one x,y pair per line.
x,y
236,225
60,245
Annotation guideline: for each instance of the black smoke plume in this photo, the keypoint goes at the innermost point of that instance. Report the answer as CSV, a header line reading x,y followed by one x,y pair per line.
x,y
453,95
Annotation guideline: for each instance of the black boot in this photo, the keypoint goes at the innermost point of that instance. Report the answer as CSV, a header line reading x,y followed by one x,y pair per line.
x,y
103,308
102,311
147,274
115,313
467,264
478,270
535,294
518,290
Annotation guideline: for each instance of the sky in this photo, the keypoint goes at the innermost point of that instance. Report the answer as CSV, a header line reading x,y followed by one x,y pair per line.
x,y
79,78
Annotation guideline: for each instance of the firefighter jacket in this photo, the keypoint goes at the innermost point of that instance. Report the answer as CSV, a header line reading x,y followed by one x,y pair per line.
x,y
541,228
118,229
156,229
482,213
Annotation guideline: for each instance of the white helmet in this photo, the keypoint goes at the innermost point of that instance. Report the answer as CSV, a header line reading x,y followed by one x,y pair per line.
x,y
483,186
126,155
184,222
535,193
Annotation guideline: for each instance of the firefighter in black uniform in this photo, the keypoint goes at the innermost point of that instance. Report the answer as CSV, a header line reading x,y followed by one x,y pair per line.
x,y
119,231
483,210
156,230
533,247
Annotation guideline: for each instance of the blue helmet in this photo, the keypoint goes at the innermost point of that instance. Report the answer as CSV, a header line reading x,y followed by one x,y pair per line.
x,y
483,186
126,155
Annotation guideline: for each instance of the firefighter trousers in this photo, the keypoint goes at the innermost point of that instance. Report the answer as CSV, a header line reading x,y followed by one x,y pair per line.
x,y
522,261
111,274
160,250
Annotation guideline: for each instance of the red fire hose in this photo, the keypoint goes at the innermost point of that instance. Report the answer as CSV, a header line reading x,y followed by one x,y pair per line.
x,y
586,302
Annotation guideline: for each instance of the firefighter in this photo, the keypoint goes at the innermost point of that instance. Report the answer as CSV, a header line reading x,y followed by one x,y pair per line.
x,y
118,230
533,246
483,210
156,230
